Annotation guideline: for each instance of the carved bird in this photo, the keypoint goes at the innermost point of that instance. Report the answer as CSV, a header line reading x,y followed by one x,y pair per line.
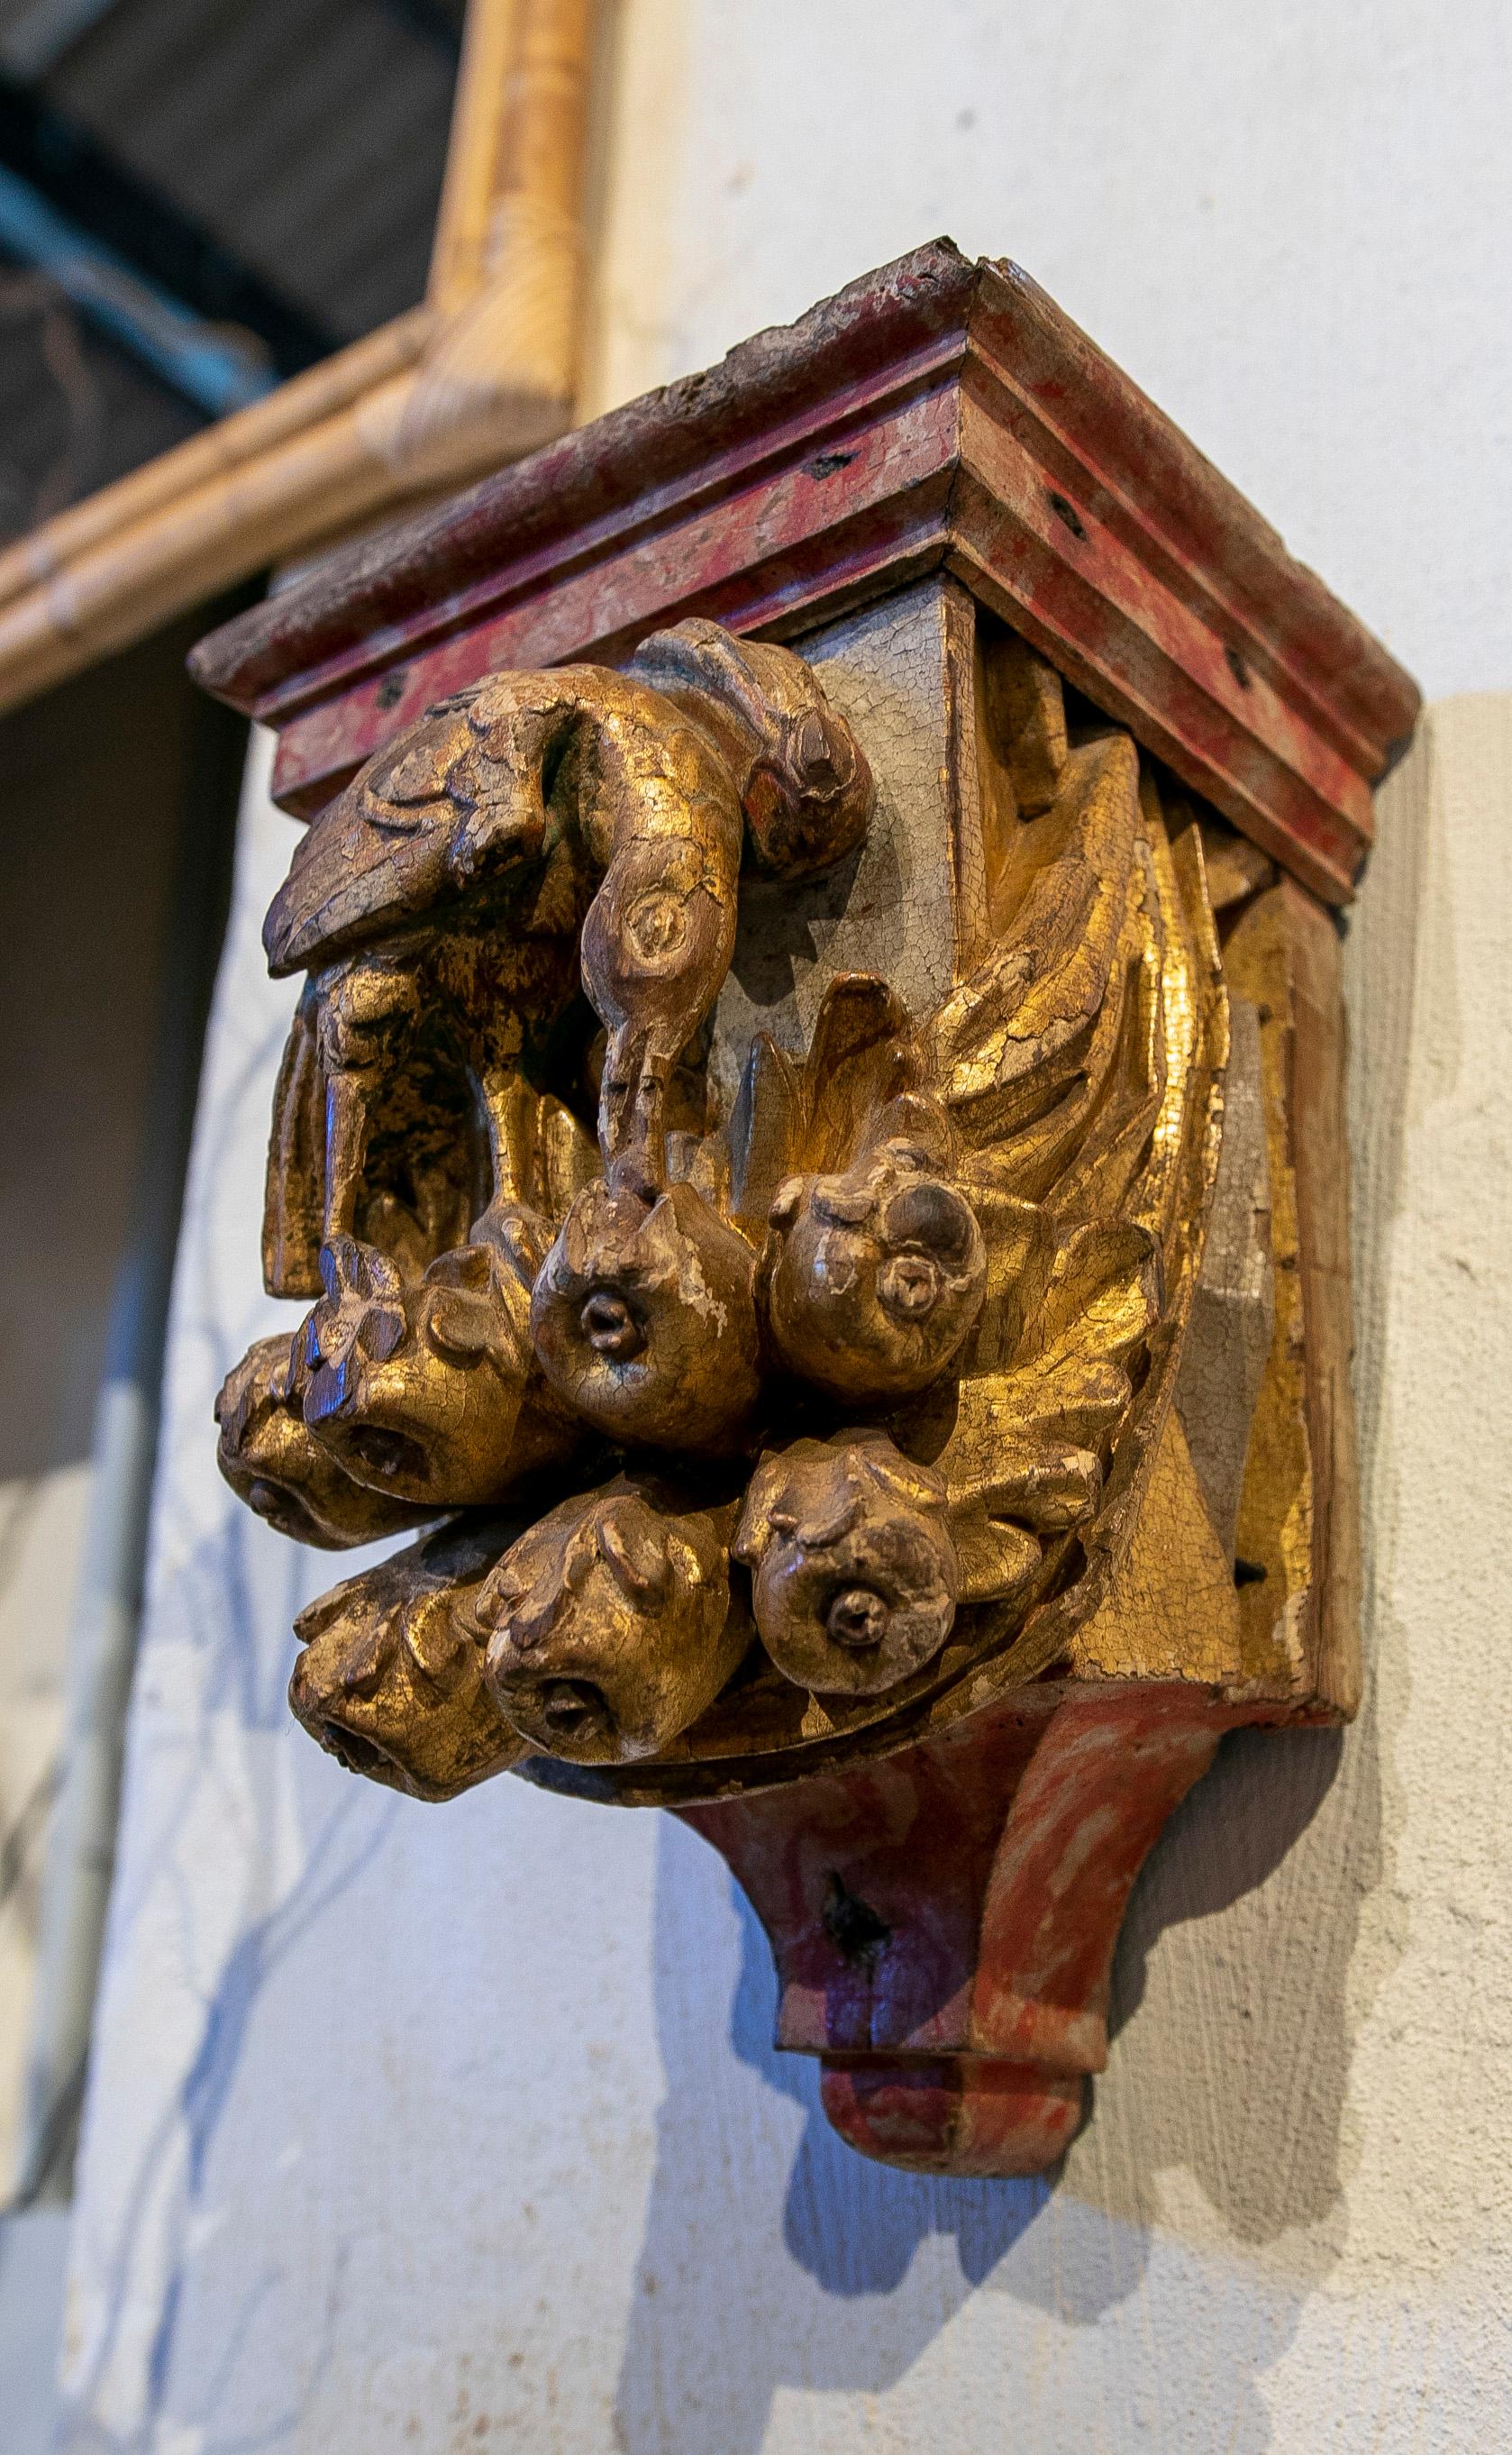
x,y
535,824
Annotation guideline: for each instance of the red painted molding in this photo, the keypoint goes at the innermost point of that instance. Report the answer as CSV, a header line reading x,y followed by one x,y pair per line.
x,y
936,414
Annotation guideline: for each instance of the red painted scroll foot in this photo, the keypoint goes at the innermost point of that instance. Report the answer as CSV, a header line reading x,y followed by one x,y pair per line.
x,y
943,1920
954,2114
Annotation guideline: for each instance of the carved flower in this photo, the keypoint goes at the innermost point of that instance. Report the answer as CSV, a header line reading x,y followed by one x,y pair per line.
x,y
855,1574
875,1276
391,1678
644,1319
425,1392
609,1625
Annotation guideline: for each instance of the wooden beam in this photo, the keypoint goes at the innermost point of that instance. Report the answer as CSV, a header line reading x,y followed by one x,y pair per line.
x,y
508,239
484,373
458,252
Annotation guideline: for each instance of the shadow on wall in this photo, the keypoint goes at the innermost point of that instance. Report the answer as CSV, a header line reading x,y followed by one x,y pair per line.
x,y
886,2213
776,2259
773,2256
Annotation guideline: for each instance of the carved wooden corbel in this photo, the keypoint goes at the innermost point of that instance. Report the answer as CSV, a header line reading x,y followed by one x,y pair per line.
x,y
821,1162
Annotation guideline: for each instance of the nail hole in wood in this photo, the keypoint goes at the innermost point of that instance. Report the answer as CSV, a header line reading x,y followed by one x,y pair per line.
x,y
852,1925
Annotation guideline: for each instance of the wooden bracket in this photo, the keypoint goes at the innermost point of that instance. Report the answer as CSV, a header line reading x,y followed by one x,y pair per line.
x,y
814,1140
943,1921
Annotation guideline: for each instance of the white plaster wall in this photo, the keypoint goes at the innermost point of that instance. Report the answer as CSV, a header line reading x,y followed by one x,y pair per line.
x,y
444,2129
1287,221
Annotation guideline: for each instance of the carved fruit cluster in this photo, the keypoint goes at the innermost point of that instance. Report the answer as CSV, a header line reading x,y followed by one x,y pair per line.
x,y
766,1398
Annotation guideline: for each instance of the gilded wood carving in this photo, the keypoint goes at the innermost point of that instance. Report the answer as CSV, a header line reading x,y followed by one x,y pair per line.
x,y
789,1429
855,1389
812,1173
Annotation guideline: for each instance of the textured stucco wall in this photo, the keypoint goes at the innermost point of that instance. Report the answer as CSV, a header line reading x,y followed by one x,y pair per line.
x,y
447,2130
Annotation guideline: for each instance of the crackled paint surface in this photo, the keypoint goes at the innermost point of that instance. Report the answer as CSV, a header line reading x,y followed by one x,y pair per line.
x,y
883,669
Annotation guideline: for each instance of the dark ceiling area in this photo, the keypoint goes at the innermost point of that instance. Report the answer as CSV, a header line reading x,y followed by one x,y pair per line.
x,y
197,199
